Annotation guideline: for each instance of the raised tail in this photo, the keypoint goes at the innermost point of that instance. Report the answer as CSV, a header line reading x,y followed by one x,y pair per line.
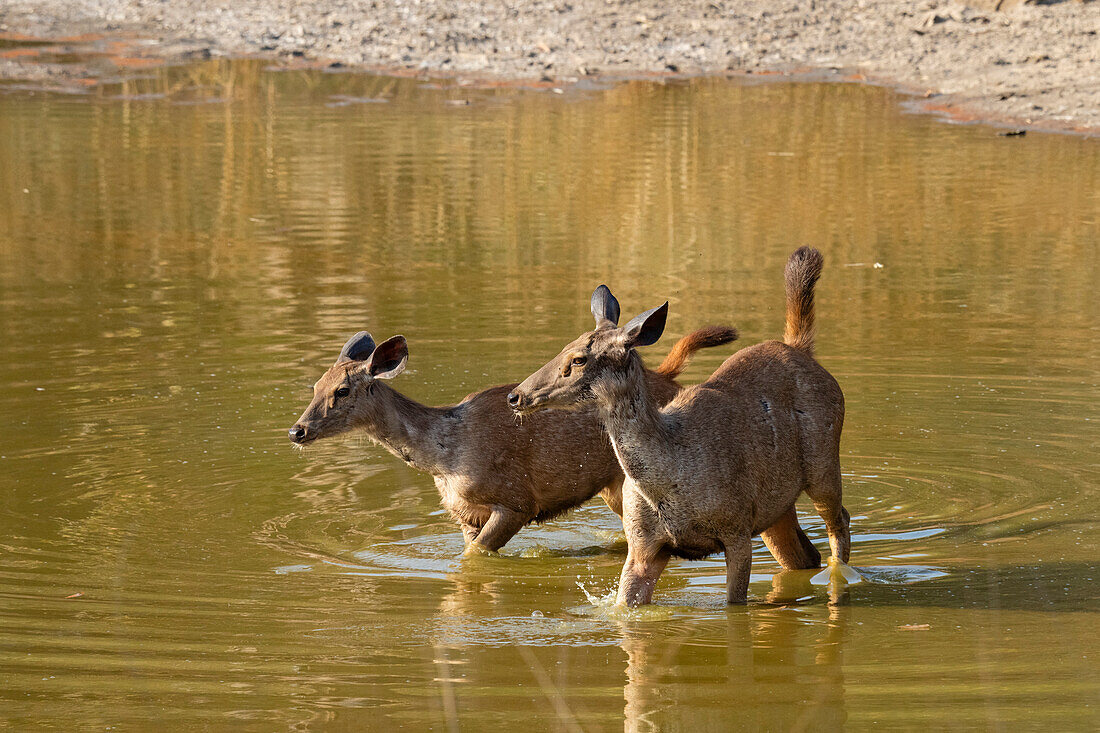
x,y
703,338
803,270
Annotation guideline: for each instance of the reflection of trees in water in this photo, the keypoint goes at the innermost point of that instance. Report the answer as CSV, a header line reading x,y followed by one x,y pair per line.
x,y
775,671
217,179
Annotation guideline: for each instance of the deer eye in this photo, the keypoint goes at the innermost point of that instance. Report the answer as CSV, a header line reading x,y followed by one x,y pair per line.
x,y
580,360
342,392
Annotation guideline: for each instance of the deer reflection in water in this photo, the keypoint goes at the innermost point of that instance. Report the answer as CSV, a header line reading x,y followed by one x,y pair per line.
x,y
779,668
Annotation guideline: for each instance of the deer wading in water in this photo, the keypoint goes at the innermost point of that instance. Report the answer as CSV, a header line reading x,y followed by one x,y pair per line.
x,y
723,460
493,475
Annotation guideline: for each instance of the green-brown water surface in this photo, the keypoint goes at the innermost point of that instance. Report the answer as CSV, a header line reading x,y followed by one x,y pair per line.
x,y
182,255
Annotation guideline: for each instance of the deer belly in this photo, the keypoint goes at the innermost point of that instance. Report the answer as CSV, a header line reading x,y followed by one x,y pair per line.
x,y
686,536
695,550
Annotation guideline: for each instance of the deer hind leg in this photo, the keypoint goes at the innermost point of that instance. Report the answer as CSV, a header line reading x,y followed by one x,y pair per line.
x,y
825,491
789,545
738,552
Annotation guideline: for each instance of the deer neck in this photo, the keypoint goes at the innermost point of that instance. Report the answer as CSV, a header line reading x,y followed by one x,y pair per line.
x,y
633,421
415,433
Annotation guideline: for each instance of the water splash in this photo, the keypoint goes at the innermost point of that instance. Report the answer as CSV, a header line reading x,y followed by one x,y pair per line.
x,y
604,601
605,607
837,572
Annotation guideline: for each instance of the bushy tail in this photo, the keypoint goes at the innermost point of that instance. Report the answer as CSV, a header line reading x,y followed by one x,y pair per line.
x,y
803,270
704,338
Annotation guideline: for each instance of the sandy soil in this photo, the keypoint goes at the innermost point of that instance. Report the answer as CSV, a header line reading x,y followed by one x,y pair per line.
x,y
990,59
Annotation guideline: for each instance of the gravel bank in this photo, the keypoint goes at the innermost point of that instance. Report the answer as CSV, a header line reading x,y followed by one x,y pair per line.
x,y
991,59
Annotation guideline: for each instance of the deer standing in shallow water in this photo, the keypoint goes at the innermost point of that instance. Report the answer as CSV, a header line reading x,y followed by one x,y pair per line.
x,y
494,476
725,459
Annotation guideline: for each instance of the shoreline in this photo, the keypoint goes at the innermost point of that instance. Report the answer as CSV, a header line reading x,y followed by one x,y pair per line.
x,y
1028,67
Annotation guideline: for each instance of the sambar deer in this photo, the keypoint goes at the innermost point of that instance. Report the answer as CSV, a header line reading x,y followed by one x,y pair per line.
x,y
494,476
725,459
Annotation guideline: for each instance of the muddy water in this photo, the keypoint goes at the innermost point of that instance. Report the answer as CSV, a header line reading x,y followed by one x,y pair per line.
x,y
182,255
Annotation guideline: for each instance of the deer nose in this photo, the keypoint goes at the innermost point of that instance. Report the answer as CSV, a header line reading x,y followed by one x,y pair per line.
x,y
297,433
515,399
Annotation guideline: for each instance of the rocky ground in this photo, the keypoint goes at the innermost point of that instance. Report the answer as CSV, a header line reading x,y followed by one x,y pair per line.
x,y
993,59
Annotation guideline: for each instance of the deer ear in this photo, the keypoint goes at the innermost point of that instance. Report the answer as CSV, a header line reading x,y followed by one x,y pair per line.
x,y
605,309
358,348
645,329
389,358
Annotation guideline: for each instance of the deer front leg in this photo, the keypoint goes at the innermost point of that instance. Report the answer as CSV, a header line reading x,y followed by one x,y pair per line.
x,y
469,532
738,565
502,526
639,576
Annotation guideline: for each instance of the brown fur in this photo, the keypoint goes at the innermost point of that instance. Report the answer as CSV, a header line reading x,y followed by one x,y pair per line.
x,y
725,459
493,475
